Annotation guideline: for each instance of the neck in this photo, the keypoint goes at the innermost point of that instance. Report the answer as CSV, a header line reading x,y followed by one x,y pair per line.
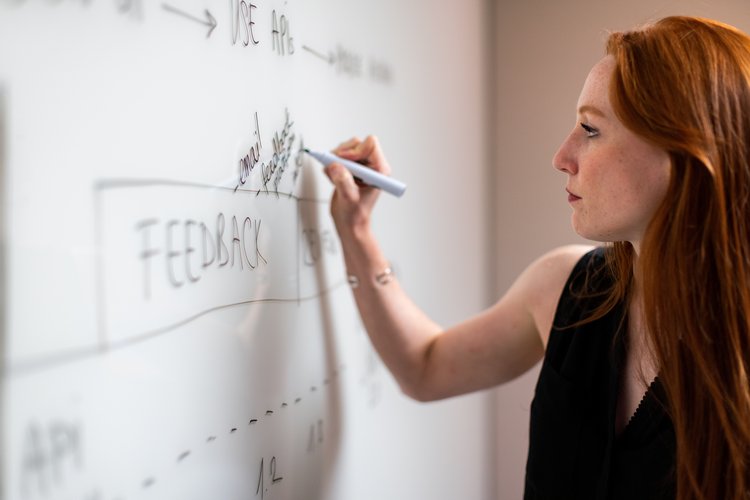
x,y
638,331
637,291
636,247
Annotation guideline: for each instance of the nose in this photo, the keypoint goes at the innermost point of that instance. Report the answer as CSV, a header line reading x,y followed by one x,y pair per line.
x,y
564,160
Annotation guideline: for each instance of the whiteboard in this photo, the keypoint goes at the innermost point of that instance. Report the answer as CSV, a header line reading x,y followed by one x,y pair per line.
x,y
175,317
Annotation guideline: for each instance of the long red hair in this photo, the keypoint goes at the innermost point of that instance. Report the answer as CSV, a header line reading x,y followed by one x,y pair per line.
x,y
684,84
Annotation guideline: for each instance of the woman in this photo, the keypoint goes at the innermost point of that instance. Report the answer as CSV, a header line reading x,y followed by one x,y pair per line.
x,y
644,389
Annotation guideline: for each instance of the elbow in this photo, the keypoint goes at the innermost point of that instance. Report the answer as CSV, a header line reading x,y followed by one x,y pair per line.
x,y
419,391
414,393
419,384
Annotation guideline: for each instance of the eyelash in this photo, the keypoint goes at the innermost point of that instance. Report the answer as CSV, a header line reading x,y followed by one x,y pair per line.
x,y
590,131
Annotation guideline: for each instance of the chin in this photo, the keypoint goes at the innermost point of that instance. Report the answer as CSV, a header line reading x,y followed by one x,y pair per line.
x,y
593,234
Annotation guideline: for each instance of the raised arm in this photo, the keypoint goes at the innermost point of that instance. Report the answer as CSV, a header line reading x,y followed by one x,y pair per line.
x,y
428,362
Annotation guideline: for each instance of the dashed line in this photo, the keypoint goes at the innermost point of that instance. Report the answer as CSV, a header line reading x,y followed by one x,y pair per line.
x,y
150,481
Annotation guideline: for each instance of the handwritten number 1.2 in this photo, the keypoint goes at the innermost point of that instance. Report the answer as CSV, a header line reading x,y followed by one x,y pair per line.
x,y
274,479
261,489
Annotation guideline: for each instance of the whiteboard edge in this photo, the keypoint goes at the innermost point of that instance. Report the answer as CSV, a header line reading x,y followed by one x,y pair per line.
x,y
490,12
3,284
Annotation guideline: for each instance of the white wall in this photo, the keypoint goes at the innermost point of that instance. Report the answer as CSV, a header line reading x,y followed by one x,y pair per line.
x,y
544,50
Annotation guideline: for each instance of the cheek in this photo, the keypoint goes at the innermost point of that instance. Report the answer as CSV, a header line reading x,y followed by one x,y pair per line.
x,y
654,179
606,179
640,166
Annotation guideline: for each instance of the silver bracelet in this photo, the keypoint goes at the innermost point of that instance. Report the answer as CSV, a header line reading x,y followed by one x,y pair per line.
x,y
382,278
385,277
353,281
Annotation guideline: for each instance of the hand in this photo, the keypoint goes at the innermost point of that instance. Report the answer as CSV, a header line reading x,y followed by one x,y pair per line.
x,y
352,202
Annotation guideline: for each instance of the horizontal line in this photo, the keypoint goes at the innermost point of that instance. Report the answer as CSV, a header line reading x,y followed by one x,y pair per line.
x,y
126,183
36,365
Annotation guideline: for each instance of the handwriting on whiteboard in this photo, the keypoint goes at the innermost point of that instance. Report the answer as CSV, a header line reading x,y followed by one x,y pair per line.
x,y
273,169
281,31
246,24
191,248
171,252
51,452
241,15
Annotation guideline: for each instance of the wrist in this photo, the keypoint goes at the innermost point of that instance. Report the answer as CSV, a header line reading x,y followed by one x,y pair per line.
x,y
362,254
356,234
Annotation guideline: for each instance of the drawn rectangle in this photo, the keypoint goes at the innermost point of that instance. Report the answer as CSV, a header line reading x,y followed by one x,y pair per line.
x,y
170,252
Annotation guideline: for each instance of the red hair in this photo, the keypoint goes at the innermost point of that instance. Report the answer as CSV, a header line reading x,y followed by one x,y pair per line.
x,y
684,84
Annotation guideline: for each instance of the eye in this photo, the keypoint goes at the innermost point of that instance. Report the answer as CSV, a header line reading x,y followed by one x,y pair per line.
x,y
590,131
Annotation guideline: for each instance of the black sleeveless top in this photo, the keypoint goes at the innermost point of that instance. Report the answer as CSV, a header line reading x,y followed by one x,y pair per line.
x,y
574,452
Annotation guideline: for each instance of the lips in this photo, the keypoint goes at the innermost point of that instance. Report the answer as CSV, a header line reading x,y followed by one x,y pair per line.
x,y
572,197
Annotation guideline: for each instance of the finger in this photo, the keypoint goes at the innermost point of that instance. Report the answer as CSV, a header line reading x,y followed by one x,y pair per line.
x,y
371,146
370,150
347,145
343,181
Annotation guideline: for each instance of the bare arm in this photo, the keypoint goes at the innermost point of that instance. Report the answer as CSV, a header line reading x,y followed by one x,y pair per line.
x,y
428,362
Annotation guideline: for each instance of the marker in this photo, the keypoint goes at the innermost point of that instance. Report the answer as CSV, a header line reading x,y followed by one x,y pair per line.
x,y
366,175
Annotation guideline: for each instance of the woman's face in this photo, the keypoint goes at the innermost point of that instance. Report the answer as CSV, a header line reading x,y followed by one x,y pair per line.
x,y
616,180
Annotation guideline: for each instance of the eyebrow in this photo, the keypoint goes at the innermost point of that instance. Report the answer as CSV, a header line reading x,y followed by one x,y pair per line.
x,y
587,108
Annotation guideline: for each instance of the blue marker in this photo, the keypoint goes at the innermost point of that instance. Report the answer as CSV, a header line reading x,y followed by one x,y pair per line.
x,y
366,175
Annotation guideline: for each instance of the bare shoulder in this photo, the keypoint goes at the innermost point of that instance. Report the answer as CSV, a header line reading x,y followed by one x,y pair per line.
x,y
558,261
543,281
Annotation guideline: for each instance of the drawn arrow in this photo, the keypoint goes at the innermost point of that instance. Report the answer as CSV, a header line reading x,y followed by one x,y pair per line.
x,y
210,21
330,58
